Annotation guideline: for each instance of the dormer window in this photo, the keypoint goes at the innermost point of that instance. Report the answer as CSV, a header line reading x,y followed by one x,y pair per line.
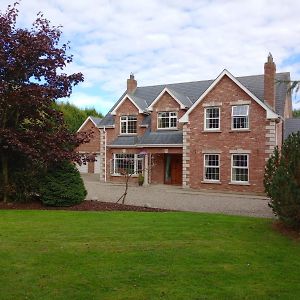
x,y
128,124
240,117
167,120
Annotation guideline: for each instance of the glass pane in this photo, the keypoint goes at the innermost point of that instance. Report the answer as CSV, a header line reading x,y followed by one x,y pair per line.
x,y
240,174
240,110
168,168
240,122
123,127
240,160
173,122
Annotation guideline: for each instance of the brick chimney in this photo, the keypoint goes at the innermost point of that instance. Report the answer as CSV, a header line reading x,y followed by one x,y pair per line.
x,y
269,81
131,84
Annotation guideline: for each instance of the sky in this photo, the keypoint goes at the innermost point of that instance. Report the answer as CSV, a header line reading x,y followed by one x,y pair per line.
x,y
168,41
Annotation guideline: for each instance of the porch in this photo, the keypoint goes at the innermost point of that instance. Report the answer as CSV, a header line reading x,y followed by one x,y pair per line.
x,y
165,168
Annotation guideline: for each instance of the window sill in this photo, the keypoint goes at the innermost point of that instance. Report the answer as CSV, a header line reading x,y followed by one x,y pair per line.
x,y
239,183
158,129
211,181
119,175
240,130
212,131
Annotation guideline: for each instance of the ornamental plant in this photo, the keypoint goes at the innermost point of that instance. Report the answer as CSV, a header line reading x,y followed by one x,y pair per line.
x,y
32,78
282,181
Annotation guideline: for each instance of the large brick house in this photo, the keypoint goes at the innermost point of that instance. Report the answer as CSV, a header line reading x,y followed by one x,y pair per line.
x,y
213,134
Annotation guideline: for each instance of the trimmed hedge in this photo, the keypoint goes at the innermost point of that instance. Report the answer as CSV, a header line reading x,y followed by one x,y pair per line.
x,y
62,186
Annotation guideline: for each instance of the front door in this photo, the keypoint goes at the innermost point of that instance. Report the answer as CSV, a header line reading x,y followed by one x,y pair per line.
x,y
173,169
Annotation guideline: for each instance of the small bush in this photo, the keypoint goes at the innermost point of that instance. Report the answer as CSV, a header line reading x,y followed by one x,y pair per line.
x,y
62,186
282,181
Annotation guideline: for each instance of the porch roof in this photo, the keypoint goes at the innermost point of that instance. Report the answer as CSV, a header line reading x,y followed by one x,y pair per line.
x,y
150,139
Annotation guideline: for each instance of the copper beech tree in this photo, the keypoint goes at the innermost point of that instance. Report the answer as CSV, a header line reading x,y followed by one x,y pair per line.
x,y
32,78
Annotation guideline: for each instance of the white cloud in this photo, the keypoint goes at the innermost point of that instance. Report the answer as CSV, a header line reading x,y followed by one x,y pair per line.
x,y
169,41
83,100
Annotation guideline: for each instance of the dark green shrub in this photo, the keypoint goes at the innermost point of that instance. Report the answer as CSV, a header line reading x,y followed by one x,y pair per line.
x,y
62,185
282,181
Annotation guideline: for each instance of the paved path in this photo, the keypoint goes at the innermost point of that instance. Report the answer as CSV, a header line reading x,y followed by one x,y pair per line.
x,y
177,198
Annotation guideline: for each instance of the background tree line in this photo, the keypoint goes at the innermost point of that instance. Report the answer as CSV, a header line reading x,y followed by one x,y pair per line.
x,y
75,116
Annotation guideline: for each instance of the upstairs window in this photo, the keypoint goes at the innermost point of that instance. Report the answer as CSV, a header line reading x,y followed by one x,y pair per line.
x,y
128,124
211,167
240,168
167,120
240,117
212,118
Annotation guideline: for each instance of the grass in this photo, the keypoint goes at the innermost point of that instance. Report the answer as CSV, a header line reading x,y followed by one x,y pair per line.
x,y
127,255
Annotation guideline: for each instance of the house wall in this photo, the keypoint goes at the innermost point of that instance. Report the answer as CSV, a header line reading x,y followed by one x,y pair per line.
x,y
252,141
166,103
92,147
94,144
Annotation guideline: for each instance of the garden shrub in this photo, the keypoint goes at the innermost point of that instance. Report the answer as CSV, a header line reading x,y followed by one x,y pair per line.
x,y
62,185
282,181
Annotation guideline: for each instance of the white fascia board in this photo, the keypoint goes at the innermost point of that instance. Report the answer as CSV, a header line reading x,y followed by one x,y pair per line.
x,y
107,126
120,103
84,123
150,108
270,113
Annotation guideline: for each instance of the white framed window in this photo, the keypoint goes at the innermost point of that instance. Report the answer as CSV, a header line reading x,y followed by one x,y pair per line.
x,y
240,117
211,167
126,163
240,168
128,124
212,118
167,120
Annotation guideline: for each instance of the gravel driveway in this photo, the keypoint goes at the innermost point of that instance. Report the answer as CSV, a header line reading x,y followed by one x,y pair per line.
x,y
173,197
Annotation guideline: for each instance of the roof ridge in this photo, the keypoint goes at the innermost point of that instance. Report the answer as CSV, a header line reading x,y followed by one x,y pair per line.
x,y
194,81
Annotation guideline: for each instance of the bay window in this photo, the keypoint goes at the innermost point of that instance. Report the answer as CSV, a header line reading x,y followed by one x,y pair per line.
x,y
126,163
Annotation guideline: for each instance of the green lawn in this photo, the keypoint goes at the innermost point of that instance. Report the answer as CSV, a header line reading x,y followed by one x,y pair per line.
x,y
127,255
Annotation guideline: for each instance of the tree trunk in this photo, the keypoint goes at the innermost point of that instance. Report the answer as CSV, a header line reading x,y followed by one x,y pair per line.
x,y
4,161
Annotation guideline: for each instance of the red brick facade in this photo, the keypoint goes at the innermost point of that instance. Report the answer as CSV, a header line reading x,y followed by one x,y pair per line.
x,y
257,142
94,144
166,103
252,141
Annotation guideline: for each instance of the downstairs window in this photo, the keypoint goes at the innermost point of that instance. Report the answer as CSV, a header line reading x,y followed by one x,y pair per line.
x,y
126,163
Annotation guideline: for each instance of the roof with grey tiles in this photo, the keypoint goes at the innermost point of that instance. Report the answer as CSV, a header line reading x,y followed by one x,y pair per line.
x,y
291,125
166,137
96,120
189,92
125,141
